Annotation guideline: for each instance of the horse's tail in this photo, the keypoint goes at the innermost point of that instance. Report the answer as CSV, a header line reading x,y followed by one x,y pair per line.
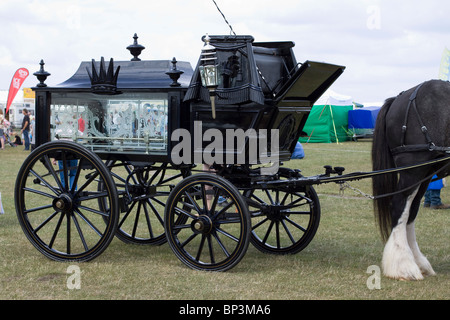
x,y
384,183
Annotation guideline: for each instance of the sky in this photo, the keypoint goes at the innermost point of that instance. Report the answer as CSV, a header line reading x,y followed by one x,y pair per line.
x,y
387,46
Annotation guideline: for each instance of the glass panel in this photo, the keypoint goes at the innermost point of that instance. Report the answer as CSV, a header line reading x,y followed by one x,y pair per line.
x,y
129,122
233,66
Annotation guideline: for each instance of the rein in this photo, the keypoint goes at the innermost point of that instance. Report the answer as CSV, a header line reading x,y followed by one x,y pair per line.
x,y
413,185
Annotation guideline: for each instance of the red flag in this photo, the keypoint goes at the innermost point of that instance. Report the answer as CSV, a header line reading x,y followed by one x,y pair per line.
x,y
16,82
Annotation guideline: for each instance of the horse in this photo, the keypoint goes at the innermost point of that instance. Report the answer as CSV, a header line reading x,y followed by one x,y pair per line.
x,y
412,128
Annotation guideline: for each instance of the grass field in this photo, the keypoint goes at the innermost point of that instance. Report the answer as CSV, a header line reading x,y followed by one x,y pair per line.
x,y
334,266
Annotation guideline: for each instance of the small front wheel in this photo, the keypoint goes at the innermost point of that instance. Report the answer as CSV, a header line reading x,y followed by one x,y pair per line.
x,y
284,219
207,223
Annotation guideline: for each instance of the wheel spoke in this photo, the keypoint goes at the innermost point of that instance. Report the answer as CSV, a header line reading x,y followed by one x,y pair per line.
x,y
260,223
39,193
88,222
288,232
268,232
37,209
188,240
80,232
295,224
56,231
157,215
136,220
41,179
210,248
92,195
50,218
193,202
277,230
92,178
184,212
49,166
77,176
101,213
68,232
200,248
227,234
65,175
147,218
222,246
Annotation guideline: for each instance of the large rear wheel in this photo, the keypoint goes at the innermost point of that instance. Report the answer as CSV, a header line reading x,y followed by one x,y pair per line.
x,y
57,202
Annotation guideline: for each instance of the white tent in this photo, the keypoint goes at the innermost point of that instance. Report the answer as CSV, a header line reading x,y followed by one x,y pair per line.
x,y
333,98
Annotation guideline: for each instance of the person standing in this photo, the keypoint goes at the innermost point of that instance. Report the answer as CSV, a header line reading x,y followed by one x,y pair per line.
x,y
433,195
2,130
26,129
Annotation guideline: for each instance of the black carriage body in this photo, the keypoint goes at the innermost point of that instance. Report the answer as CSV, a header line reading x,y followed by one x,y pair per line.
x,y
262,87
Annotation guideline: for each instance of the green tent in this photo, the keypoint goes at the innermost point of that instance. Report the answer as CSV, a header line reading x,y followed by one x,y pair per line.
x,y
328,119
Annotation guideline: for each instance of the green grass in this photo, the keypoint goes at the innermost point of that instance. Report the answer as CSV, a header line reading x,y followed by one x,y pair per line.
x,y
333,266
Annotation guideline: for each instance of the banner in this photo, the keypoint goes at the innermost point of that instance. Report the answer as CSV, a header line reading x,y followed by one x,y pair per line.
x,y
28,93
16,82
444,69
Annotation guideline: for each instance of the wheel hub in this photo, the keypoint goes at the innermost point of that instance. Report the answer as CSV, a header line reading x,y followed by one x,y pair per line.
x,y
202,225
273,212
63,203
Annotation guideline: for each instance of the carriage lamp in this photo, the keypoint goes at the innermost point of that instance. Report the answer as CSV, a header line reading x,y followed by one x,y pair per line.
x,y
209,72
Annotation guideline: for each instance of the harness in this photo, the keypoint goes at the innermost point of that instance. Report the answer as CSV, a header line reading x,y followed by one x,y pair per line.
x,y
430,145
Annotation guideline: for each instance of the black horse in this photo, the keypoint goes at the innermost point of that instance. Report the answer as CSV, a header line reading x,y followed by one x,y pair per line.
x,y
412,128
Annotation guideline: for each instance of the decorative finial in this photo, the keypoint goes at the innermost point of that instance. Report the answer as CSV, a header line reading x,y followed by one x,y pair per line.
x,y
208,47
135,49
174,73
41,75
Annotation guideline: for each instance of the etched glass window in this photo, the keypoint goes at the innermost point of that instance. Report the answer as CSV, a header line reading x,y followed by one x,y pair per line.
x,y
129,122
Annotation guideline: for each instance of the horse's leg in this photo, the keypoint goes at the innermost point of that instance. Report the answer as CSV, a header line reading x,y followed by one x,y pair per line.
x,y
398,259
421,260
423,263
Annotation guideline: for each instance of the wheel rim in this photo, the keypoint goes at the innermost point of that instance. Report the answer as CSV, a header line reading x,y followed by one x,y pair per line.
x,y
57,202
204,234
144,191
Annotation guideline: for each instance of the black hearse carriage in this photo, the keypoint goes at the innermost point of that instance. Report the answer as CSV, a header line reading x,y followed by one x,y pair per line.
x,y
110,155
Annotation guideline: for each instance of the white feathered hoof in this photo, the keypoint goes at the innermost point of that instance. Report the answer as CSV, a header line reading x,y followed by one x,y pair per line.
x,y
425,266
398,260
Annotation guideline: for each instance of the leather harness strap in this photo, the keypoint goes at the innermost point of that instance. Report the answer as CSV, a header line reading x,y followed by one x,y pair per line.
x,y
429,146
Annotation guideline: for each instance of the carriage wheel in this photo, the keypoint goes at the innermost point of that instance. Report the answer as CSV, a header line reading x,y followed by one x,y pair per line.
x,y
144,190
204,234
56,198
284,220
